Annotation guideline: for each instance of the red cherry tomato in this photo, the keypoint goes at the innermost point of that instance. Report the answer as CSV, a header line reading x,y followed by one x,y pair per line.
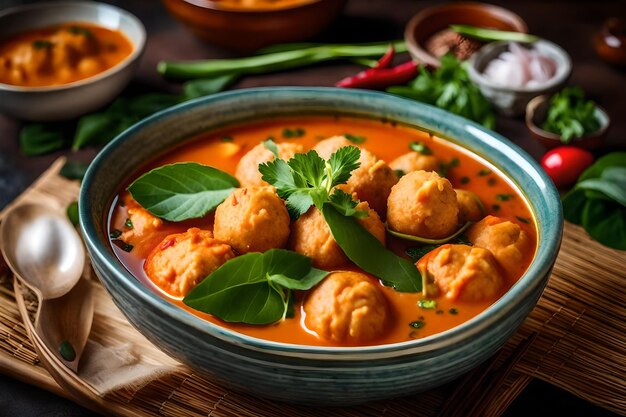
x,y
565,164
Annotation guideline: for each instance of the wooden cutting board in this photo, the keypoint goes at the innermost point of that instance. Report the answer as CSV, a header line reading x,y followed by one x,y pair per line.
x,y
574,339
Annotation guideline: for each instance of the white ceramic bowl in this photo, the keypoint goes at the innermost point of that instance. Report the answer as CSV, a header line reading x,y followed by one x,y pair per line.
x,y
513,101
69,100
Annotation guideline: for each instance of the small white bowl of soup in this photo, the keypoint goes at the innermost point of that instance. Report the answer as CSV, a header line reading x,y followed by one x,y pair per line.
x,y
61,60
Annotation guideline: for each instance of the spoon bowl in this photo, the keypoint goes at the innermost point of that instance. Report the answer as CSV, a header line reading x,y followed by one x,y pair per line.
x,y
43,248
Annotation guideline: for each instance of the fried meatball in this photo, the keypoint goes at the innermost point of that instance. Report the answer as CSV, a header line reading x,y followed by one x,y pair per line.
x,y
311,237
252,219
506,240
181,261
142,228
371,181
248,167
346,307
423,204
415,161
471,209
463,272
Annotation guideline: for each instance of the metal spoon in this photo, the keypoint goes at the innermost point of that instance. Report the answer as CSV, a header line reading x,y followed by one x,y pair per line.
x,y
44,251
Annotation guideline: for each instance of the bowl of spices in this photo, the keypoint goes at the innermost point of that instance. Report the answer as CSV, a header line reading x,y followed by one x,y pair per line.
x,y
567,118
59,60
429,34
510,74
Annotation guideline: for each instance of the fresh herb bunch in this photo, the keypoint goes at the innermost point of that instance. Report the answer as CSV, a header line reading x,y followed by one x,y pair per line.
x,y
571,115
307,179
598,201
450,88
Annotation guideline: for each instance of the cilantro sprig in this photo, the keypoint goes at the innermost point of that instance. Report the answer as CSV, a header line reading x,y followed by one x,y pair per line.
x,y
307,179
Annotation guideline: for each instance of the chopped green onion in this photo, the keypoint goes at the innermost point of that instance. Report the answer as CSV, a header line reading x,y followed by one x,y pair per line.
x,y
491,35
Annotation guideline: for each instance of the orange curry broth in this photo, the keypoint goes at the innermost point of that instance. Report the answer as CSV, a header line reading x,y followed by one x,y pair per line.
x,y
387,141
61,54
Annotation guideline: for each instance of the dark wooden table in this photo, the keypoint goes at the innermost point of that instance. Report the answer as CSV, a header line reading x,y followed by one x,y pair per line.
x,y
570,24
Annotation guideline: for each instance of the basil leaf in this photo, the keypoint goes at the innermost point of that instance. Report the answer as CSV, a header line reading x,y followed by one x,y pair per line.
x,y
73,170
617,159
369,254
605,222
255,288
573,205
94,129
182,191
310,280
616,191
72,213
39,139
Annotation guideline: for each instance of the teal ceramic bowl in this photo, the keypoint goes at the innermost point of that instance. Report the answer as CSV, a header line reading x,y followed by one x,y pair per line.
x,y
309,374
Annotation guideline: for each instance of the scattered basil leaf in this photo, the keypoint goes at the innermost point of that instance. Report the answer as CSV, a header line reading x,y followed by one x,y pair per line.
x,y
39,139
356,139
417,252
399,173
427,304
420,147
345,205
72,213
369,254
612,183
73,170
605,222
255,288
617,159
182,191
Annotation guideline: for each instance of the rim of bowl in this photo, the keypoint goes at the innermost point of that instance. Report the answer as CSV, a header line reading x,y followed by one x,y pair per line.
x,y
415,48
548,240
38,7
558,78
533,105
214,5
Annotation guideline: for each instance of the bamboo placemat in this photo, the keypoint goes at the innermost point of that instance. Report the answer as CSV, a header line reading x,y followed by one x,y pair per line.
x,y
574,339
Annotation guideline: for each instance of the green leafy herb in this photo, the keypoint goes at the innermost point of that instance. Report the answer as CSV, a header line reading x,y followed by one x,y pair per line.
x,y
126,247
115,233
420,147
42,44
417,252
571,115
226,139
128,223
450,88
493,35
598,201
306,179
484,172
504,197
399,173
293,133
73,170
417,324
427,304
207,86
495,207
72,213
356,139
369,254
255,288
345,205
453,311
182,191
464,180
39,139
445,167
523,219
271,146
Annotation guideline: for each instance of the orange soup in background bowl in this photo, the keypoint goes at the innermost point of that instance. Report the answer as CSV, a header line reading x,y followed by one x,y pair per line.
x,y
325,300
61,60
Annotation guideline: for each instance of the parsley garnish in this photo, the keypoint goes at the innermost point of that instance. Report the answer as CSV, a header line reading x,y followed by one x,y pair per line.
x,y
128,223
115,233
427,304
417,324
504,197
484,172
293,133
522,219
420,147
571,115
453,311
307,179
464,180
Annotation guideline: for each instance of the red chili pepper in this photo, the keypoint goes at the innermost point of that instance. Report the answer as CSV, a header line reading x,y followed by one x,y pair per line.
x,y
381,78
385,60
